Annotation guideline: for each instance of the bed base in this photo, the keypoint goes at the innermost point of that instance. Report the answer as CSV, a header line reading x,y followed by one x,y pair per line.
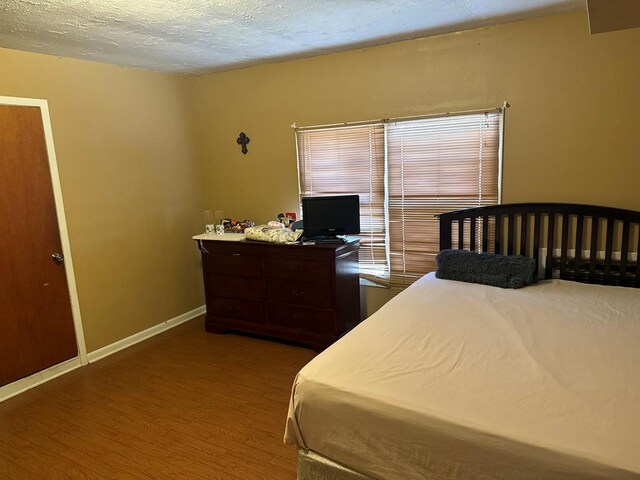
x,y
313,466
582,243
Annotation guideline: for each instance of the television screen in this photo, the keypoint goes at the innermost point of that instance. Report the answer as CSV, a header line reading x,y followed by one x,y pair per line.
x,y
331,216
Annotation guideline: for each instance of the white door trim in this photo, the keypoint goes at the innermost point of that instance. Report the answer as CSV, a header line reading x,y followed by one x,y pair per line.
x,y
53,372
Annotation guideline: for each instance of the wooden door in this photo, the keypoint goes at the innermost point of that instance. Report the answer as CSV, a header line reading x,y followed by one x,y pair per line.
x,y
36,323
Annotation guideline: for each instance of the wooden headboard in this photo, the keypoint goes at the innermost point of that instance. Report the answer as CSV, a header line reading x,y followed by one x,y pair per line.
x,y
583,243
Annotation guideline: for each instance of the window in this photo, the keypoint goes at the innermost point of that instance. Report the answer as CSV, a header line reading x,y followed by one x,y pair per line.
x,y
406,172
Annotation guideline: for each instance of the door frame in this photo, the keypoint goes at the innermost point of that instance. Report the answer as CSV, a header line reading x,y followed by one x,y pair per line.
x,y
37,378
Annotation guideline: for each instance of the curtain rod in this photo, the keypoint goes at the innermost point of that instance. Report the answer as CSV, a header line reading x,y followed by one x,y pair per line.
x,y
505,104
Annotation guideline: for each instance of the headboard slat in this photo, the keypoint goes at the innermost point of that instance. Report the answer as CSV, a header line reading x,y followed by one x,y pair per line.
x,y
608,249
511,228
498,239
624,252
524,233
550,244
485,233
472,234
512,223
577,260
536,237
445,232
593,246
564,247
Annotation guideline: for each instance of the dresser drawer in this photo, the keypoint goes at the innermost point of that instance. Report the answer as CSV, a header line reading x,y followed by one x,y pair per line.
x,y
246,310
305,294
235,287
298,270
232,264
299,318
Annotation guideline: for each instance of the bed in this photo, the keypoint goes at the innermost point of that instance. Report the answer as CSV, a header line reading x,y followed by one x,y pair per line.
x,y
453,380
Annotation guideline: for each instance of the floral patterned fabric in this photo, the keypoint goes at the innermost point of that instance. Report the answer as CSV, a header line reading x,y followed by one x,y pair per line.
x,y
265,233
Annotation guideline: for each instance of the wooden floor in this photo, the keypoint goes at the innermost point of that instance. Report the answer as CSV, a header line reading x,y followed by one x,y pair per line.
x,y
184,404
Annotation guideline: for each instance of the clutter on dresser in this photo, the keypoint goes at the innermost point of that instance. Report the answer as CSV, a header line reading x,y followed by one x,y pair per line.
x,y
297,225
235,226
273,232
287,218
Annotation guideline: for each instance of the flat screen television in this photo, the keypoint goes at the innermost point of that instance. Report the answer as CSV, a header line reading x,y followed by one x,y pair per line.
x,y
331,216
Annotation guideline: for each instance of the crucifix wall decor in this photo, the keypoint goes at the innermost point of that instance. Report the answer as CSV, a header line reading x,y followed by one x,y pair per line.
x,y
243,140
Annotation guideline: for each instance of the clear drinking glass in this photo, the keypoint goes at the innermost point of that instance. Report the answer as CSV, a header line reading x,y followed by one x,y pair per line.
x,y
209,226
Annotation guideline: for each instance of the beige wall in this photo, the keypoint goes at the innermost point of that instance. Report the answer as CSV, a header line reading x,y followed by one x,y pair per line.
x,y
131,186
136,176
571,134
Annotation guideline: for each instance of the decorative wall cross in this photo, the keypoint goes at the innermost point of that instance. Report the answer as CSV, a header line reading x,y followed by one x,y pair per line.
x,y
243,140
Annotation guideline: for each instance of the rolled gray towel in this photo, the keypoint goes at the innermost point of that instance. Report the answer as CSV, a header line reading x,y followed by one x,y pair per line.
x,y
505,271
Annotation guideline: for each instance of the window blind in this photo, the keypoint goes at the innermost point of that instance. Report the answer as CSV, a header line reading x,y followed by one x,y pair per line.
x,y
344,161
436,165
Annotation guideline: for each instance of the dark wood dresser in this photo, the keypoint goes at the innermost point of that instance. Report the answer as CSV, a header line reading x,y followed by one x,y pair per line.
x,y
305,293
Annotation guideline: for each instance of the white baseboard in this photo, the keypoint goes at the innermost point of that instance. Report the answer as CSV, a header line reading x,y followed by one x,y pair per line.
x,y
145,334
24,384
38,378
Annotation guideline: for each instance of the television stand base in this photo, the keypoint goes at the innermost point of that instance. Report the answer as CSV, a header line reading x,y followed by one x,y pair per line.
x,y
333,240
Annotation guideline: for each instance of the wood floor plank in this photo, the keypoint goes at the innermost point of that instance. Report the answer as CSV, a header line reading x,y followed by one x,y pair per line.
x,y
8,469
184,404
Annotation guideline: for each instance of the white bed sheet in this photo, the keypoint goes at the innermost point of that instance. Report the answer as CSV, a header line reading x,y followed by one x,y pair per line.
x,y
462,381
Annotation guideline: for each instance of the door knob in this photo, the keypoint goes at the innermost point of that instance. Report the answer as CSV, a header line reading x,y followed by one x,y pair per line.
x,y
58,258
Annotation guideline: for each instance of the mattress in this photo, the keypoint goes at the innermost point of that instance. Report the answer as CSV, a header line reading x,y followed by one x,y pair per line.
x,y
461,381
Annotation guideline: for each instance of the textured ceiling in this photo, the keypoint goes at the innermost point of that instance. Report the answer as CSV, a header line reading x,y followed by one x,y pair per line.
x,y
196,36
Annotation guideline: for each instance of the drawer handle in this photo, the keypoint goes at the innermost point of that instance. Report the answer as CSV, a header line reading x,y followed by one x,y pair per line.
x,y
235,254
297,268
298,293
299,316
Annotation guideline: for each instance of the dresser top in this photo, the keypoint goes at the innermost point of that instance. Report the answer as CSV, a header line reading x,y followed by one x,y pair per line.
x,y
224,237
234,241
